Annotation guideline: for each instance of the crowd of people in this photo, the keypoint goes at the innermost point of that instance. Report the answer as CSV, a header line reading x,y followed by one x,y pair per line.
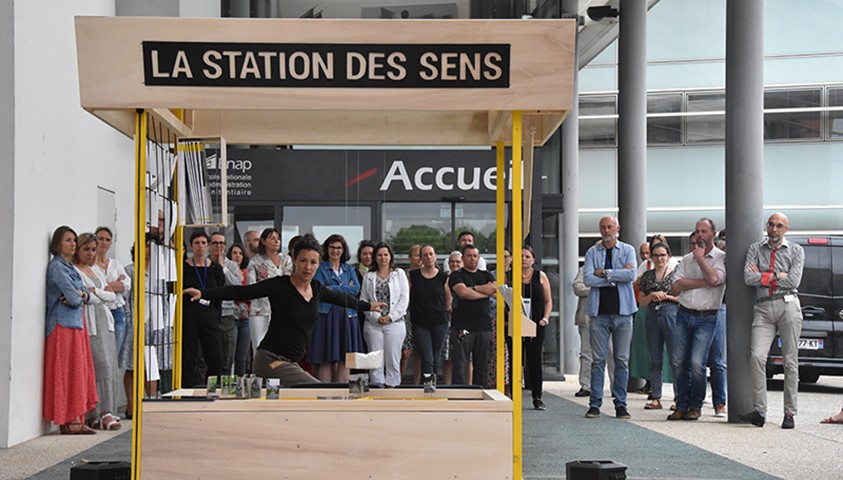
x,y
441,317
680,305
253,308
295,315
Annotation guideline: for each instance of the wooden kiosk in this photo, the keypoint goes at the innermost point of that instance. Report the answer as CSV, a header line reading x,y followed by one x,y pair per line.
x,y
332,82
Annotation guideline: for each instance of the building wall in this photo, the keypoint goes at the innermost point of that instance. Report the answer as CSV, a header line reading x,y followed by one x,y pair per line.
x,y
58,157
685,50
7,169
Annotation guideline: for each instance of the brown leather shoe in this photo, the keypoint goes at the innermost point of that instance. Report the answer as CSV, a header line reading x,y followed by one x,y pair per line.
x,y
677,415
692,414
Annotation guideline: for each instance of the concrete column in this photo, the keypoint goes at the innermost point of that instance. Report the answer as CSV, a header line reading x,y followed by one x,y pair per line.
x,y
7,217
632,121
744,187
569,340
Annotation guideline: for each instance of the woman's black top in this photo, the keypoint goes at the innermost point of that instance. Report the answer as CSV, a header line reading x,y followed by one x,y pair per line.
x,y
202,277
535,292
427,299
292,316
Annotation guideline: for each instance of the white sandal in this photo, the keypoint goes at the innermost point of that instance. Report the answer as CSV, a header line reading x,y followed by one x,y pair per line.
x,y
109,422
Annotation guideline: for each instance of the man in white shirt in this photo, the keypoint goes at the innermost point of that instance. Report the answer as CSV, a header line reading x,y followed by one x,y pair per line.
x,y
227,327
699,282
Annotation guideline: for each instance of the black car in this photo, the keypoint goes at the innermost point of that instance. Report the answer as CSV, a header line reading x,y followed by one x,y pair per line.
x,y
821,296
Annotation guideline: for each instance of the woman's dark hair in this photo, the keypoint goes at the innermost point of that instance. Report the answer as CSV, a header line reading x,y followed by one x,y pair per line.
x,y
245,262
58,235
332,239
81,241
307,242
199,233
150,238
103,229
364,244
388,249
663,245
291,243
264,235
528,248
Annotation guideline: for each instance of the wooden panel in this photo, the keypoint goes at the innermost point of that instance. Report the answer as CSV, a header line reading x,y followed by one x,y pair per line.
x,y
292,439
111,66
366,128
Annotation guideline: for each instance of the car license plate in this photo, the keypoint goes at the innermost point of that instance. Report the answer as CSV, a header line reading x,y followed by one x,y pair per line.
x,y
808,343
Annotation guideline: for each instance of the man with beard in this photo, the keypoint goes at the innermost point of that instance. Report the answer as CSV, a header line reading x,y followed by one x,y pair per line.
x,y
774,267
699,282
610,269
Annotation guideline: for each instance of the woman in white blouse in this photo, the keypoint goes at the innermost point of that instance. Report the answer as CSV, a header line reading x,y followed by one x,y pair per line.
x,y
385,330
269,262
100,325
116,278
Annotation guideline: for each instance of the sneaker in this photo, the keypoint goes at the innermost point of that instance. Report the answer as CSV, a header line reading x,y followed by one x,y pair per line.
x,y
538,404
752,417
583,393
622,413
720,411
593,412
692,414
788,422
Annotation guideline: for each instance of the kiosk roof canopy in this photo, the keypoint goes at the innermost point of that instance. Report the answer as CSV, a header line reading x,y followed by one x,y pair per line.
x,y
330,82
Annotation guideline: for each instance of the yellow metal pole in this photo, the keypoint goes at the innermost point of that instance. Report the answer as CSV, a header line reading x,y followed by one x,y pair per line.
x,y
177,328
516,297
500,204
139,292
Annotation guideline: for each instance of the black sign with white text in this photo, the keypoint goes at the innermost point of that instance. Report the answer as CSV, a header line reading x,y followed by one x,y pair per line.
x,y
195,64
363,175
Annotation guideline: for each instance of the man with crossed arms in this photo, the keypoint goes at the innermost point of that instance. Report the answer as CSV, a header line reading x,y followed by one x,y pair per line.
x,y
774,267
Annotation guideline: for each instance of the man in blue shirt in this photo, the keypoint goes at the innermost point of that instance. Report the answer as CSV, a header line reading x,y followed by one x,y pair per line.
x,y
610,269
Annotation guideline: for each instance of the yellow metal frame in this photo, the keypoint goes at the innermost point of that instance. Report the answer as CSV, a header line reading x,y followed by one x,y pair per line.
x,y
177,326
517,458
500,241
139,290
142,119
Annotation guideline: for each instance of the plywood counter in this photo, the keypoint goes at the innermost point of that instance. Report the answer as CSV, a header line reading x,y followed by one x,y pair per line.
x,y
324,434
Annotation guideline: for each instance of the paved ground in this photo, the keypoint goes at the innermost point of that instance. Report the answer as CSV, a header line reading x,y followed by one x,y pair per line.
x,y
648,445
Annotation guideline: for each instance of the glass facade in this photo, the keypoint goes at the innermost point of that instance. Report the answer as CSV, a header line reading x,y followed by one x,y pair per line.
x,y
686,122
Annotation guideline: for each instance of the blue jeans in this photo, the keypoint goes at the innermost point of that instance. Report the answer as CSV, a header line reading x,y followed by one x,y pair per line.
x,y
619,327
661,320
119,326
717,360
428,342
241,349
691,343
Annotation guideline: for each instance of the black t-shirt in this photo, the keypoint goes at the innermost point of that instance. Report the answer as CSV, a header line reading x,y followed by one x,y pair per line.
x,y
201,278
471,315
610,300
292,317
427,299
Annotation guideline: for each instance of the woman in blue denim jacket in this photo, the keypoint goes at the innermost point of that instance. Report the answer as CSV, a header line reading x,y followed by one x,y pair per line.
x,y
337,330
70,389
